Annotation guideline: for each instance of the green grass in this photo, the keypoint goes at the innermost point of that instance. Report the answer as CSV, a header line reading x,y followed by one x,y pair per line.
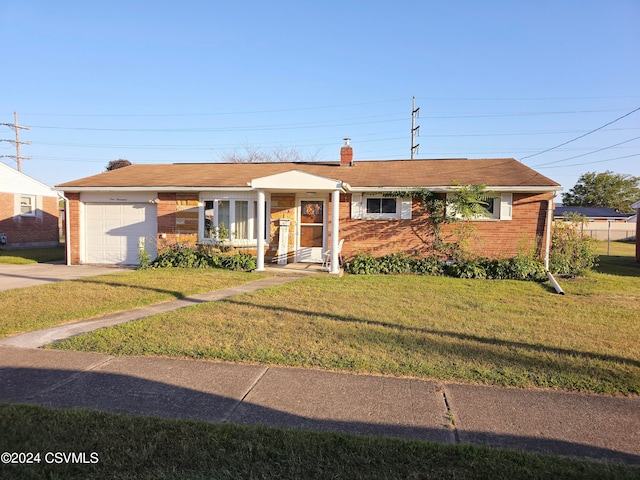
x,y
32,255
504,333
130,447
620,261
64,302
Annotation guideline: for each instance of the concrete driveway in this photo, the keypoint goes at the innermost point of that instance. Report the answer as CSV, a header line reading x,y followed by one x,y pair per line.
x,y
19,276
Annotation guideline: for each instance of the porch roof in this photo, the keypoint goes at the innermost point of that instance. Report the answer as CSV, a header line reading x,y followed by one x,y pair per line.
x,y
294,180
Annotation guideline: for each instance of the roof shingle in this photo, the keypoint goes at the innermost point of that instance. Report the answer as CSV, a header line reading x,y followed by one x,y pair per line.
x,y
498,172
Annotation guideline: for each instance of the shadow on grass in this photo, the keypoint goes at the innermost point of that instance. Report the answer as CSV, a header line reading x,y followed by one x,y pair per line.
x,y
123,393
536,348
618,265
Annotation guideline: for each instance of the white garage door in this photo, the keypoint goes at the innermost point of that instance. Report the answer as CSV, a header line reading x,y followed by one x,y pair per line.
x,y
115,231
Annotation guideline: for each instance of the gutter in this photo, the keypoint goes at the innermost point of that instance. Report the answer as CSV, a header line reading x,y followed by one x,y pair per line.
x,y
547,246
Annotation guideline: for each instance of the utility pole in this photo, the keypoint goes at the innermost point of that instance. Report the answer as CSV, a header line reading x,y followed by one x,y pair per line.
x,y
16,127
415,131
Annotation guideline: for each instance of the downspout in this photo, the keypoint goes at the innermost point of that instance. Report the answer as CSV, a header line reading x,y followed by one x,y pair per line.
x,y
547,247
67,230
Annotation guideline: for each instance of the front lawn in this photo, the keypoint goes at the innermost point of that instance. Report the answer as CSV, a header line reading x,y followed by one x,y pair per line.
x,y
54,304
128,447
505,333
32,255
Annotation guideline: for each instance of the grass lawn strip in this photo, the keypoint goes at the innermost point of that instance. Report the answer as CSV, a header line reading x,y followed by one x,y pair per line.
x,y
58,303
504,333
129,447
32,255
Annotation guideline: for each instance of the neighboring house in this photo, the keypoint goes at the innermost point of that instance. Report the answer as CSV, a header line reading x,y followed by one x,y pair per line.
x,y
316,203
592,214
601,223
636,207
28,211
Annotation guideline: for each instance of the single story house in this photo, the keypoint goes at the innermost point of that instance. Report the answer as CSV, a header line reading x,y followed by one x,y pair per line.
x,y
601,223
295,212
592,214
29,211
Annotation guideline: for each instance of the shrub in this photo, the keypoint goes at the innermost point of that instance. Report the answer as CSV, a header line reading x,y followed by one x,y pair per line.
x,y
520,267
394,263
428,266
363,264
194,257
466,269
572,252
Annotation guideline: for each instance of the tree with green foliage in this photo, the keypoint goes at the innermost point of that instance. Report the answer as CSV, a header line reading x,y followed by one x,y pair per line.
x,y
607,189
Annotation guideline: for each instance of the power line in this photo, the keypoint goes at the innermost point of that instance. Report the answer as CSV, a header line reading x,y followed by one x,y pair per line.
x,y
326,124
585,154
597,161
582,136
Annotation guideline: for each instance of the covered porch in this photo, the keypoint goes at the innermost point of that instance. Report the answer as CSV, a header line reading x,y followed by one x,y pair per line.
x,y
307,222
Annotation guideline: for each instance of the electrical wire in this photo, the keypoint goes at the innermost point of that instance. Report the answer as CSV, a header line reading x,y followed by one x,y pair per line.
x,y
585,154
581,136
597,161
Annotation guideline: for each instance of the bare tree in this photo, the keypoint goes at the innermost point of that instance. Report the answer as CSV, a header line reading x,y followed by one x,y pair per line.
x,y
256,155
115,164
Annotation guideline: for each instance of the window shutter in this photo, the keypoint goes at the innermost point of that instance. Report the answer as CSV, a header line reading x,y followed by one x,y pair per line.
x,y
405,208
356,206
506,203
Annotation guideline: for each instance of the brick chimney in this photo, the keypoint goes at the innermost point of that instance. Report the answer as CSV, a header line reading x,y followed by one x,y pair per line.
x,y
346,154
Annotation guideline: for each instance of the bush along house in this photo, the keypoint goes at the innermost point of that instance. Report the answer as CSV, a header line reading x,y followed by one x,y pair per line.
x,y
297,212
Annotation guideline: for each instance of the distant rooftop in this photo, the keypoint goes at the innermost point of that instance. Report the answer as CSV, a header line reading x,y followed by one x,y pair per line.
x,y
591,212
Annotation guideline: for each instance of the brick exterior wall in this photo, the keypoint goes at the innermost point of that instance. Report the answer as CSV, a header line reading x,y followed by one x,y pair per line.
x,y
178,217
73,217
492,239
41,230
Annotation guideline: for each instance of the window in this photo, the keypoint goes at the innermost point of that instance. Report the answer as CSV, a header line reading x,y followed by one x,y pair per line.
x,y
381,205
27,205
375,206
498,207
491,207
230,219
241,224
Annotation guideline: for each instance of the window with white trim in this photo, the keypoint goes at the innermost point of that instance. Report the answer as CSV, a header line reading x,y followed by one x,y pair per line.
x,y
380,205
492,207
28,205
375,206
498,207
231,219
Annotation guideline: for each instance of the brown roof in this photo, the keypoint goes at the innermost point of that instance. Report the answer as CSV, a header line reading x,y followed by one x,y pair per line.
x,y
497,172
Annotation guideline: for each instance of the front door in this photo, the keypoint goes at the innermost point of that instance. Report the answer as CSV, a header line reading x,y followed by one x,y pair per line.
x,y
311,231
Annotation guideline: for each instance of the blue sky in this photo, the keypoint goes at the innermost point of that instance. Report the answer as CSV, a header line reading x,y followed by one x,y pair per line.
x,y
191,81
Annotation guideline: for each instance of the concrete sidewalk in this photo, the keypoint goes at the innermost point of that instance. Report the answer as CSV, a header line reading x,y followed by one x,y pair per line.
x,y
588,426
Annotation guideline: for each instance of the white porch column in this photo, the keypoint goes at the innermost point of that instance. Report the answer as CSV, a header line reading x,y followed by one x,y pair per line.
x,y
260,231
335,221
